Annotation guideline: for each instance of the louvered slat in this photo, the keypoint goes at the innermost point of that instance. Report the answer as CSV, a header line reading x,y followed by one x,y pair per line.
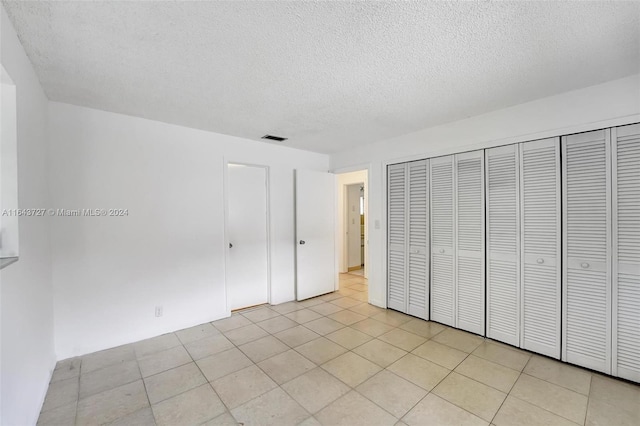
x,y
626,253
469,247
586,211
397,230
418,239
503,244
442,267
540,240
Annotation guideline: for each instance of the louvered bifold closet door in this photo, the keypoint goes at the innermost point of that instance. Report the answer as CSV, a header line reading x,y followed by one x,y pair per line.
x,y
586,263
503,244
397,222
540,246
469,247
626,251
442,238
418,236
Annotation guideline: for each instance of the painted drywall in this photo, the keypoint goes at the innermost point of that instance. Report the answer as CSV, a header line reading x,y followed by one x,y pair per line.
x,y
26,309
613,103
110,273
345,179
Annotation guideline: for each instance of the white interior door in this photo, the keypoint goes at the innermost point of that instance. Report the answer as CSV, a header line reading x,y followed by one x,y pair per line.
x,y
247,274
315,233
397,237
354,239
418,239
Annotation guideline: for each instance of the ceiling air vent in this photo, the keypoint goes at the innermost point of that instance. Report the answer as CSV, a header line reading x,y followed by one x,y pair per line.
x,y
274,138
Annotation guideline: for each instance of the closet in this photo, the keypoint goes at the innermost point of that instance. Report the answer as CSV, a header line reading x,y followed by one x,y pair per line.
x,y
535,244
408,215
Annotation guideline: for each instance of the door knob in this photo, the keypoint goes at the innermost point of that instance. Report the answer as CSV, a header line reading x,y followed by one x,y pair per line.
x,y
302,242
441,250
540,261
585,265
230,245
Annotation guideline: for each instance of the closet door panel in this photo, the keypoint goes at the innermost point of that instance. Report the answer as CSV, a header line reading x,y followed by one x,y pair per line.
x,y
626,251
442,240
503,244
540,245
418,239
397,223
469,248
587,233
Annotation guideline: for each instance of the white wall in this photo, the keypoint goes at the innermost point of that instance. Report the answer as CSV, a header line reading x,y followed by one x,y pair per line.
x,y
26,309
110,272
613,103
345,179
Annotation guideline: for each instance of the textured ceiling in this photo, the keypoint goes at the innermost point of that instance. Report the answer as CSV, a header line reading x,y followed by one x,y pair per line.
x,y
329,75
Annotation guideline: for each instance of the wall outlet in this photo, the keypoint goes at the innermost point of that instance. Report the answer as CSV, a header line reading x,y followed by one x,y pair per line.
x,y
158,311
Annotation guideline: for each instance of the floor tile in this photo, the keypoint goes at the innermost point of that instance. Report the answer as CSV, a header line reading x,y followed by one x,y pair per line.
x,y
419,371
351,368
108,378
315,389
273,408
196,333
393,393
361,296
366,309
246,334
62,392
303,316
501,354
353,409
165,360
558,400
441,412
422,328
372,327
619,394
487,372
286,366
110,405
107,357
263,348
231,323
274,325
142,417
326,308
517,412
287,307
242,386
457,339
565,375
296,336
324,325
347,317
61,416
601,413
331,296
223,363
359,287
380,352
311,421
346,291
346,302
478,399
260,314
402,339
320,350
66,369
190,408
172,382
311,302
440,354
208,346
155,344
348,337
224,419
392,318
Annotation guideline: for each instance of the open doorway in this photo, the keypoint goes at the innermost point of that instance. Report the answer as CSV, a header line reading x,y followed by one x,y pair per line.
x,y
352,223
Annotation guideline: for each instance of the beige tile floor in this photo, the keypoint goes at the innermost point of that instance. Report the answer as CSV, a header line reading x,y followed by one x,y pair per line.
x,y
332,360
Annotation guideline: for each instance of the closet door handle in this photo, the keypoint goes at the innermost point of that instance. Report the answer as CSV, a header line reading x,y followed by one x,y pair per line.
x,y
441,250
540,261
585,265
302,242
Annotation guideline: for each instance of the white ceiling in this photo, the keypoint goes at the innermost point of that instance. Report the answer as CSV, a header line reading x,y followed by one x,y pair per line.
x,y
328,75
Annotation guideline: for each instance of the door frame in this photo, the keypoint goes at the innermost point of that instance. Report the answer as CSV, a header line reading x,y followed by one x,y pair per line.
x,y
225,201
345,224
